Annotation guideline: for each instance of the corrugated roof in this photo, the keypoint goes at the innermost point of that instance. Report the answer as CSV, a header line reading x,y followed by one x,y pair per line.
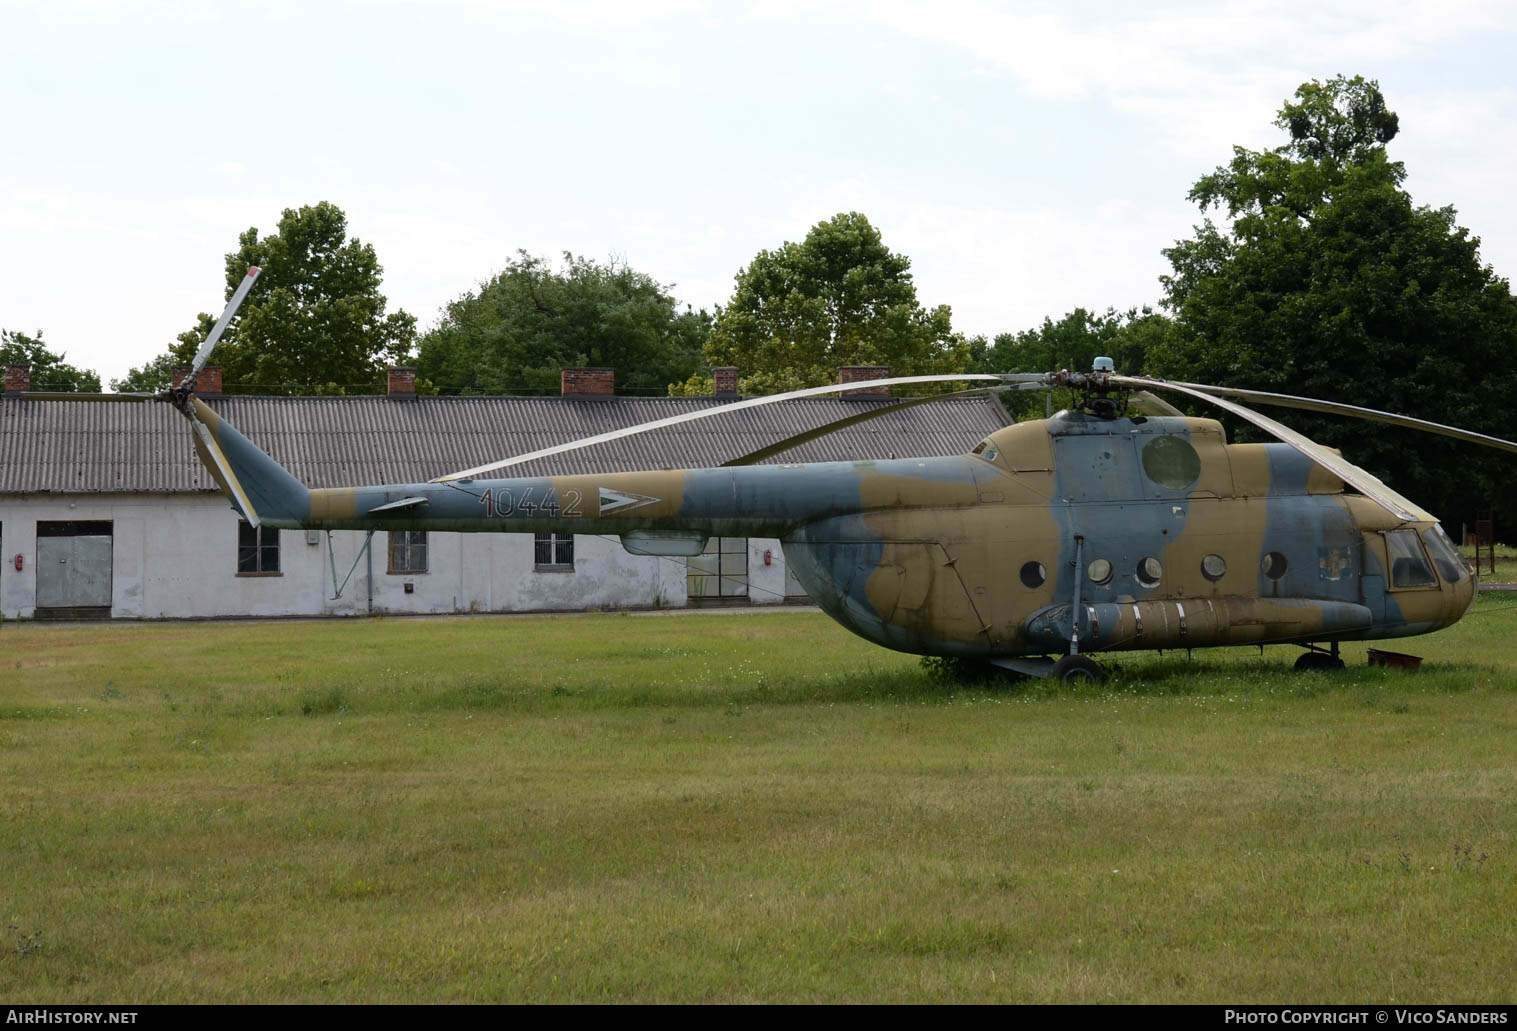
x,y
63,446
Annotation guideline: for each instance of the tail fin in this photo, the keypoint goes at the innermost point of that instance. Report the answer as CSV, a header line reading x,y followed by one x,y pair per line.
x,y
258,487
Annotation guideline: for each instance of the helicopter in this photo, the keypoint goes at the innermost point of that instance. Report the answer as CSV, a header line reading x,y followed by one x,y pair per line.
x,y
1116,524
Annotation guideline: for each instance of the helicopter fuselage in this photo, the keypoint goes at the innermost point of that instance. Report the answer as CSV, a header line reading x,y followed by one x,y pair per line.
x,y
1111,533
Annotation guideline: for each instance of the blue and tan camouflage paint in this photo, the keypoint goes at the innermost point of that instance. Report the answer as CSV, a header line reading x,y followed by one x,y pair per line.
x,y
928,555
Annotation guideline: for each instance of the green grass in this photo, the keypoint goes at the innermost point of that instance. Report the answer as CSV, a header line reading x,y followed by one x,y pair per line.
x,y
749,807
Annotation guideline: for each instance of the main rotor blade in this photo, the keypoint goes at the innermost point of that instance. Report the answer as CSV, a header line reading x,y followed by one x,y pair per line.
x,y
706,413
1157,403
1365,483
1027,382
798,439
62,395
215,334
1311,404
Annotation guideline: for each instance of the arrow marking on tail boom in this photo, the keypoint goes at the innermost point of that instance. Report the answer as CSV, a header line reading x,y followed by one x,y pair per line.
x,y
615,501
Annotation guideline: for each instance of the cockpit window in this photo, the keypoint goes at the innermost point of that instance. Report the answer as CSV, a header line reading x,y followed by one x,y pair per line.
x,y
986,450
1409,566
1450,566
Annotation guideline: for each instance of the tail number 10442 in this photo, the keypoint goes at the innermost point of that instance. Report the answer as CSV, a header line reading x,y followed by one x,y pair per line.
x,y
503,503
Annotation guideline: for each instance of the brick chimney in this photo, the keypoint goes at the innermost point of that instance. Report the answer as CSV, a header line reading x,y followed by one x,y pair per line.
x,y
860,374
207,383
18,378
587,383
726,381
402,382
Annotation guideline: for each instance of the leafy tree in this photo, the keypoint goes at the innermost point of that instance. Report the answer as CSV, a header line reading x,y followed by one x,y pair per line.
x,y
48,370
150,377
514,333
1328,281
314,323
1073,342
839,297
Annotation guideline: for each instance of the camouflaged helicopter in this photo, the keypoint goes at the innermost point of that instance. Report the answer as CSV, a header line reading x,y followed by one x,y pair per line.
x,y
1117,524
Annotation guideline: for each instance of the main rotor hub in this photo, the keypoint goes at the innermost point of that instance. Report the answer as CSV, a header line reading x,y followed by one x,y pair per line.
x,y
1098,394
179,396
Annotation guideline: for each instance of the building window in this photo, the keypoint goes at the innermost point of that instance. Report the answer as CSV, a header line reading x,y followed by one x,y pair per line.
x,y
408,551
721,571
257,549
554,551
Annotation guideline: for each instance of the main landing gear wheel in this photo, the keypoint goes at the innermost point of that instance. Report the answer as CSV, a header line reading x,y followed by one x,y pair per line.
x,y
1311,661
1077,671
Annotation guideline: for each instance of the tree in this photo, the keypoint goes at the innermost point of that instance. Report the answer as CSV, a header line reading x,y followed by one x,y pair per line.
x,y
839,297
48,370
314,323
1328,281
150,377
514,333
1073,342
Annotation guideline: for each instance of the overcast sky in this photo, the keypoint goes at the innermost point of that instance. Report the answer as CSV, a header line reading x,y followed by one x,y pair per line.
x,y
1028,158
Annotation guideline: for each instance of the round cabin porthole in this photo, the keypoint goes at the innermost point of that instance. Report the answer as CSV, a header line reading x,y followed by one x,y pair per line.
x,y
1171,462
1274,565
1213,568
1149,571
1033,574
1099,572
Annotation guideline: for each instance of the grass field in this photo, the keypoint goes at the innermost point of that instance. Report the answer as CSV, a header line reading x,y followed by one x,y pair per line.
x,y
742,807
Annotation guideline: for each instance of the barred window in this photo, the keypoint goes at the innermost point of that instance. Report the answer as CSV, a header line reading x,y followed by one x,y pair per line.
x,y
554,550
408,551
257,548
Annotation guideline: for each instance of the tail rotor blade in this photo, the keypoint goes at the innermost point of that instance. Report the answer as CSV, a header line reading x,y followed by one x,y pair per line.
x,y
215,334
59,395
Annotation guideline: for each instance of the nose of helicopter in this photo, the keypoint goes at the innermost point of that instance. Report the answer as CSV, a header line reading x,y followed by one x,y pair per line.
x,y
1464,595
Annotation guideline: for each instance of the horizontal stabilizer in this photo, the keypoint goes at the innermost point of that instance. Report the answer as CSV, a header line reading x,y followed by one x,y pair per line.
x,y
403,505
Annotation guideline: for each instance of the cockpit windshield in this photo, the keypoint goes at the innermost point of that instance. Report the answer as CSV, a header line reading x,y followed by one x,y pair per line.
x,y
986,450
1449,564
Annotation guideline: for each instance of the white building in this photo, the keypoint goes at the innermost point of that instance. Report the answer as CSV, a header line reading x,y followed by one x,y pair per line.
x,y
105,512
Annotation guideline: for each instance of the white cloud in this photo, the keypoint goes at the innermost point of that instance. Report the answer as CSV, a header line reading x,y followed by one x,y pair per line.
x,y
1187,72
599,15
1005,268
189,10
684,204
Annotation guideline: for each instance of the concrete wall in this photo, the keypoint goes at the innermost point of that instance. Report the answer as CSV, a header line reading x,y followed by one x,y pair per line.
x,y
176,557
766,584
